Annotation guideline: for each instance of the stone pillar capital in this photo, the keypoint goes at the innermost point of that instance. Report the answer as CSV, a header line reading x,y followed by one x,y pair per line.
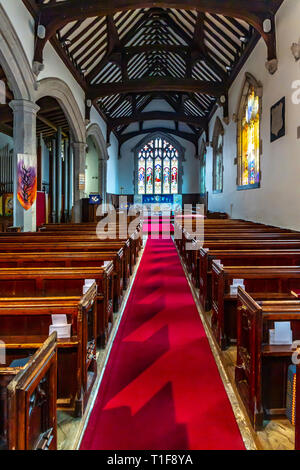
x,y
24,106
79,146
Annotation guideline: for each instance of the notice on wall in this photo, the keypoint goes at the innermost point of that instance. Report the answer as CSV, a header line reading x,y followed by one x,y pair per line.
x,y
81,182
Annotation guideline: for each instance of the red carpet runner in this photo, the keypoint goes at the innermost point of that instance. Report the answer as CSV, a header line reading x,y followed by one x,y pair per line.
x,y
161,389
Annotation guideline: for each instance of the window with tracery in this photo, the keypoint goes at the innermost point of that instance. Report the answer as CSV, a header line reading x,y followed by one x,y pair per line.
x,y
203,168
218,168
249,137
158,167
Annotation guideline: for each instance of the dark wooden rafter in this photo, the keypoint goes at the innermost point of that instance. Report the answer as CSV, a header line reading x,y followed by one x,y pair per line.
x,y
56,15
157,116
126,53
193,138
157,84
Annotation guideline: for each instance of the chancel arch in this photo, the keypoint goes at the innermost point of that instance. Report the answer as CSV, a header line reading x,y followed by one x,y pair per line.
x,y
248,134
158,165
218,165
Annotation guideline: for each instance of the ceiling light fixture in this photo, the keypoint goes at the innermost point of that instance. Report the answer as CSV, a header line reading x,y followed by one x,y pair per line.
x,y
267,25
41,31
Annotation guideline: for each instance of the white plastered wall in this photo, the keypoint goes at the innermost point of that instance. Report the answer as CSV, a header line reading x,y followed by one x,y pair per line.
x,y
276,202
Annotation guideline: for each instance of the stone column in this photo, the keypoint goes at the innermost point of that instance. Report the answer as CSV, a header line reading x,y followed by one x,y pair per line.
x,y
79,161
59,174
105,182
24,143
102,179
66,180
71,180
53,182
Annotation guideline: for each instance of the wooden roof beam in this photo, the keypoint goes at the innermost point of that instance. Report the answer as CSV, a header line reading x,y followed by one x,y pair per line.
x,y
193,138
156,84
55,16
157,116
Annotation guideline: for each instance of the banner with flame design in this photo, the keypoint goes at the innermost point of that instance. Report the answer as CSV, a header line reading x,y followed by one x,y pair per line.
x,y
27,180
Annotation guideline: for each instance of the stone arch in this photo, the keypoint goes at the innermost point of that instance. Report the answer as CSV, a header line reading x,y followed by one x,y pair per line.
x,y
202,158
250,83
59,90
218,164
14,61
94,131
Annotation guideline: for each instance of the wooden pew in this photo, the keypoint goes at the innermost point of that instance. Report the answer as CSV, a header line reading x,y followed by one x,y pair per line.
x,y
64,243
73,259
237,258
24,326
192,258
297,426
257,279
261,369
52,281
28,401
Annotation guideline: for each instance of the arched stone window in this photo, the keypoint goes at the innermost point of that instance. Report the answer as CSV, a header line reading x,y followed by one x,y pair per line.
x,y
217,145
202,157
158,165
248,134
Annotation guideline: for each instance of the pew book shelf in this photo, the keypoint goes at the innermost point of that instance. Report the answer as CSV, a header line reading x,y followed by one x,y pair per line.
x,y
28,401
77,368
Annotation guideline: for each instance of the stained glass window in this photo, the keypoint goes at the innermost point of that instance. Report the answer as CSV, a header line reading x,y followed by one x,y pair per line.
x,y
203,169
249,140
174,175
158,168
218,157
141,181
149,176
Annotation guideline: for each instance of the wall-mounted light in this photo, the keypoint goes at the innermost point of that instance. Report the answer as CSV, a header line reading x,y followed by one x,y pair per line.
x,y
228,68
41,31
244,39
267,25
295,48
223,99
67,42
89,103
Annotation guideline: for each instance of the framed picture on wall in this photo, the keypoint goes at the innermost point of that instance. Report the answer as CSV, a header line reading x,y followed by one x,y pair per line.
x,y
278,120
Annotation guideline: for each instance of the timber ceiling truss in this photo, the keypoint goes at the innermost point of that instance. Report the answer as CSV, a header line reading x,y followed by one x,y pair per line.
x,y
127,54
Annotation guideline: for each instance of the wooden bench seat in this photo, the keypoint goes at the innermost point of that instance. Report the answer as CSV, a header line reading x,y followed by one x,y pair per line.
x,y
74,259
261,369
24,326
28,401
237,258
192,257
53,281
280,279
71,243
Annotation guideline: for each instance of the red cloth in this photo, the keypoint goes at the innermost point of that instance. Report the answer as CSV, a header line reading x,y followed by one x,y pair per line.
x,y
40,209
161,389
158,227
